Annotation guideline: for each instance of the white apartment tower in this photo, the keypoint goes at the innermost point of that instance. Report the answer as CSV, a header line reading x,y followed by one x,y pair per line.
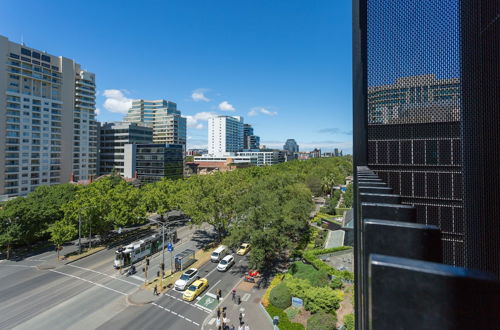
x,y
48,131
225,135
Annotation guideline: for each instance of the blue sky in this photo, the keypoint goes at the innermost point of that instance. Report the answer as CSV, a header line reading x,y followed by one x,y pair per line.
x,y
285,66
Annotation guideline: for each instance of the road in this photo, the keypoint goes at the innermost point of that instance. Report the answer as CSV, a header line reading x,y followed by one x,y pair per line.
x,y
90,294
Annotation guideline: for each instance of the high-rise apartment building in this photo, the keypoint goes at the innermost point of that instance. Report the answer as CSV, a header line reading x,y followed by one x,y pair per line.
x,y
225,135
250,141
112,140
169,127
48,131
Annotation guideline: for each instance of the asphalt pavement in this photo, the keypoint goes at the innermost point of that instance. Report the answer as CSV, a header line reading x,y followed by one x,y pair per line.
x,y
91,294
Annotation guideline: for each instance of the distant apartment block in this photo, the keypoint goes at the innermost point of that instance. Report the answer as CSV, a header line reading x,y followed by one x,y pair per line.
x,y
225,135
169,127
194,152
153,162
113,137
265,157
48,131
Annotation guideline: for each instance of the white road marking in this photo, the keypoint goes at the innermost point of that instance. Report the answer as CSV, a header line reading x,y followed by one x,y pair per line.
x,y
176,314
91,282
112,276
216,285
212,320
210,272
50,255
245,297
137,278
185,302
20,266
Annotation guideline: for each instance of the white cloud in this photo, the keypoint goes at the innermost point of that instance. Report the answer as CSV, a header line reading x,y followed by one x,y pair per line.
x,y
194,121
261,110
116,101
327,145
97,111
199,95
226,106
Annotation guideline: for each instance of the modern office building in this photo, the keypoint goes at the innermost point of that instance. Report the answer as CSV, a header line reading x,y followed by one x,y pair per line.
x,y
48,131
152,162
291,146
225,135
250,141
112,140
169,127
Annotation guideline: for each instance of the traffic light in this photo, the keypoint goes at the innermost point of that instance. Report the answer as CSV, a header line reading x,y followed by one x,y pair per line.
x,y
147,261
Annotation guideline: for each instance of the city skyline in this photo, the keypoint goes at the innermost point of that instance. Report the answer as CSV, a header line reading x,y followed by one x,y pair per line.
x,y
287,79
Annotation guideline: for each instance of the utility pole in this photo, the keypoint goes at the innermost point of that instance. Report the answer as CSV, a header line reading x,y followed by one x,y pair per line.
x,y
79,233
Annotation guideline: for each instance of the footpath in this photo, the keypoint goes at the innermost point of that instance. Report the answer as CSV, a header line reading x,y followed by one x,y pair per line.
x,y
254,316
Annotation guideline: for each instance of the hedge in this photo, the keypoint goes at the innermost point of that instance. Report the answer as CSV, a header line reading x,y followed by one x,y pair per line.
x,y
322,321
284,322
349,321
341,210
274,282
311,257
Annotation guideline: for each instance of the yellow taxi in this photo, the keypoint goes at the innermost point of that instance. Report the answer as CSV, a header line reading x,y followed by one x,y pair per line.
x,y
244,248
195,289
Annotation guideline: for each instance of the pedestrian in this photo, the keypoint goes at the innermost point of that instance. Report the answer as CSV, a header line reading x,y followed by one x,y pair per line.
x,y
234,295
225,320
241,318
219,293
232,327
247,327
239,299
217,323
155,291
240,327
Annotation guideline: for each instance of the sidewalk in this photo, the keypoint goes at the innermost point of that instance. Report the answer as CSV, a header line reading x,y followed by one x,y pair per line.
x,y
254,315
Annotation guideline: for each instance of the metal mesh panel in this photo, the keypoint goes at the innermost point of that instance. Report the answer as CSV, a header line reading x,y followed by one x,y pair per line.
x,y
414,109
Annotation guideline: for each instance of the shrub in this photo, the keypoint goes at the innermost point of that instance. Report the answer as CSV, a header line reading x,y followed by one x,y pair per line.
x,y
336,283
316,299
285,323
311,257
322,321
274,282
349,321
308,272
280,296
291,312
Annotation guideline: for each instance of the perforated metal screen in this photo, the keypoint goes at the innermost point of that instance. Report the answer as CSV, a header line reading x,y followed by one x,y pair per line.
x,y
414,109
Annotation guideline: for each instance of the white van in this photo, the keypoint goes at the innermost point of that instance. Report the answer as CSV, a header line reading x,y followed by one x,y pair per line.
x,y
219,253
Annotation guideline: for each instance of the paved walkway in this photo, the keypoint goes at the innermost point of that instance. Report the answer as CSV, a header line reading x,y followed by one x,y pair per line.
x,y
254,315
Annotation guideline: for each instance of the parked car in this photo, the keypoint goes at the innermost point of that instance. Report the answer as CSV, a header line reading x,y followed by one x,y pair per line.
x,y
244,248
225,263
186,279
195,289
219,253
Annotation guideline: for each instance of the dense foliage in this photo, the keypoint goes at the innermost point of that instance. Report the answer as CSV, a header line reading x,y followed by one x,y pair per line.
x,y
284,322
349,322
280,296
268,207
322,321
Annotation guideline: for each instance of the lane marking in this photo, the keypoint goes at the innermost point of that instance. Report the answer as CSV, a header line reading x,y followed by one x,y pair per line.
x,y
112,276
185,302
85,280
137,278
26,266
176,314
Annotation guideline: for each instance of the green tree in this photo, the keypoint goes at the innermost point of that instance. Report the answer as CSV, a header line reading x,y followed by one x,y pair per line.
x,y
11,233
280,296
61,232
348,196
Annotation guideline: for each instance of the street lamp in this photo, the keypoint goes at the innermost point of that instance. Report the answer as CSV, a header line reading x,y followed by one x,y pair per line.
x,y
163,224
80,230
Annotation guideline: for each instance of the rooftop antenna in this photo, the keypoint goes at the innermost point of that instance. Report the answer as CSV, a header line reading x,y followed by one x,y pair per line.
x,y
22,40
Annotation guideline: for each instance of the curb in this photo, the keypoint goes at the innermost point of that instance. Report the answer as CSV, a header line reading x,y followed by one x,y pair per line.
x,y
268,317
88,255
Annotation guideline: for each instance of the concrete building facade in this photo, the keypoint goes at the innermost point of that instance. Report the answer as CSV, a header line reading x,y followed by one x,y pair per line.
x,y
225,135
48,131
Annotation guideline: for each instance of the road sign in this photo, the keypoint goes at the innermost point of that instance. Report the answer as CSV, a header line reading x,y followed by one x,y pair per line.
x,y
297,302
170,247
